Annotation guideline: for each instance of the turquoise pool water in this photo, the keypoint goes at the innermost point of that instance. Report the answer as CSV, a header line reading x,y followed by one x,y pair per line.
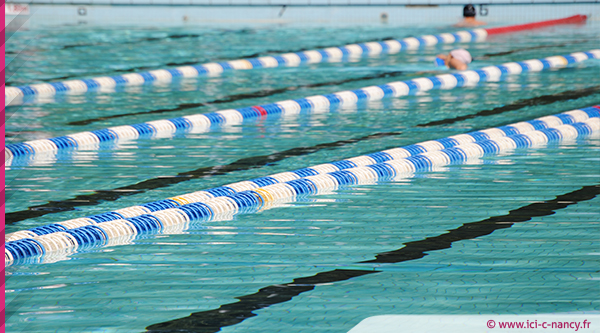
x,y
544,265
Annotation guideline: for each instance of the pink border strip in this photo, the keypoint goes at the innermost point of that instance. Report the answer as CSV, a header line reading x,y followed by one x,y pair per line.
x,y
2,328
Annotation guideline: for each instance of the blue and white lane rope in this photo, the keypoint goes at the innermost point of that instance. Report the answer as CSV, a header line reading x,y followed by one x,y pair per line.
x,y
105,229
287,59
203,122
566,118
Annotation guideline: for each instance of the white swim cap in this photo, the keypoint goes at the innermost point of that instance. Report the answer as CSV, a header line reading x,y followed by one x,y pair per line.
x,y
462,55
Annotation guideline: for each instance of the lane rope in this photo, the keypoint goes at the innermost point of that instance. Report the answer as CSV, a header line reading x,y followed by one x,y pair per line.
x,y
288,59
172,214
203,122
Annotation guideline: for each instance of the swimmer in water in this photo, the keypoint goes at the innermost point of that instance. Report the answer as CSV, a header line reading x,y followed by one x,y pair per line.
x,y
469,20
457,59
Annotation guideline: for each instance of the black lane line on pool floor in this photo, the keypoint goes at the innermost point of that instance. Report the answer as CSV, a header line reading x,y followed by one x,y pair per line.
x,y
21,62
259,161
498,54
128,42
521,103
185,63
160,182
238,97
540,100
141,40
234,313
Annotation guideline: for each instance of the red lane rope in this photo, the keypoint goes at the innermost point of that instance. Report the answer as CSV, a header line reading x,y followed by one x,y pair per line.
x,y
513,28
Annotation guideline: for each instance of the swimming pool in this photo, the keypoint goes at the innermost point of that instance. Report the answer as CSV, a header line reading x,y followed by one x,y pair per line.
x,y
166,277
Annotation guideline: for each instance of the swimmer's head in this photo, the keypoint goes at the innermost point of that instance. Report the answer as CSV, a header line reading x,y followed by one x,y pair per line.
x,y
469,11
462,55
